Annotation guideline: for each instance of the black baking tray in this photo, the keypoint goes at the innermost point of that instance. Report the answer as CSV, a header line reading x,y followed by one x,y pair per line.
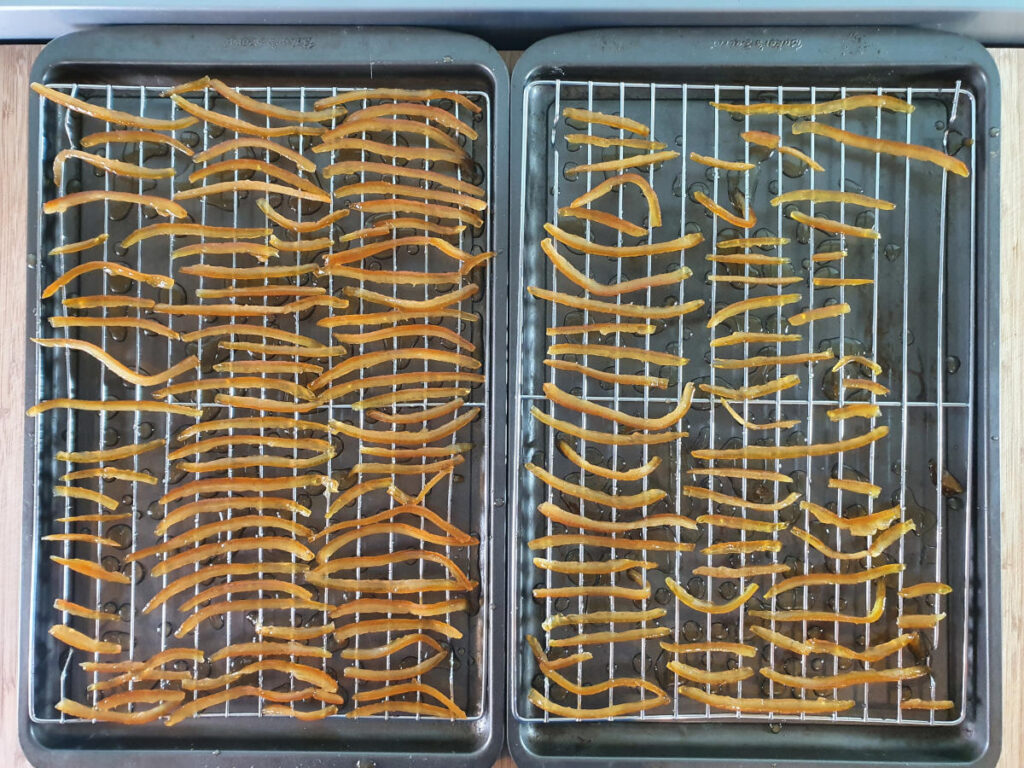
x,y
273,56
865,57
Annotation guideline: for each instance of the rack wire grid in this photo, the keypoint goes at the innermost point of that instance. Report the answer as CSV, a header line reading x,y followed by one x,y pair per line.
x,y
916,319
459,498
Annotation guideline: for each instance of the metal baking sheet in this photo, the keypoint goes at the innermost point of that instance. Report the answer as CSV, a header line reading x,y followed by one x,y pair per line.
x,y
923,320
126,69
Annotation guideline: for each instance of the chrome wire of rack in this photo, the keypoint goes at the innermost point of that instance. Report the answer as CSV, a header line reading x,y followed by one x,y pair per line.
x,y
464,495
917,318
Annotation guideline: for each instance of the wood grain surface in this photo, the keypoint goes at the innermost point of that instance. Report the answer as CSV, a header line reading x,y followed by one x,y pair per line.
x,y
15,62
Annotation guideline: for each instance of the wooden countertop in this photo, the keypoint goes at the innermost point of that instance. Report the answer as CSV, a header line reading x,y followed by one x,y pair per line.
x,y
15,63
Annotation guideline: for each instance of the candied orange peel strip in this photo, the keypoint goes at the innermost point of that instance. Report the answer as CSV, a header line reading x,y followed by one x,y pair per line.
x,y
110,454
777,706
81,641
605,142
605,438
110,473
608,185
884,146
853,410
190,580
815,645
622,164
827,616
843,579
149,406
705,677
133,137
696,492
161,205
753,337
572,520
121,370
400,152
637,473
930,705
612,308
107,164
742,547
761,452
725,214
618,353
751,304
142,324
625,593
545,704
919,620
712,646
563,265
845,679
359,167
81,245
109,115
855,486
626,379
833,226
250,185
604,218
608,542
610,636
706,606
602,118
633,501
248,484
256,166
865,525
743,472
231,145
255,105
741,523
746,424
566,400
714,162
832,196
925,588
237,125
622,251
882,101
428,94
759,361
111,268
774,141
434,114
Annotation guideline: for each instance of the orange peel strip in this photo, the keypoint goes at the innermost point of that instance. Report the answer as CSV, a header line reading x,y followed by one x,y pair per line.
x,y
746,280
774,141
82,642
408,191
545,704
826,256
248,484
742,547
371,359
572,520
111,454
250,185
109,115
114,406
592,567
203,532
634,501
111,268
258,460
742,572
382,651
269,649
213,549
84,613
385,226
742,472
865,525
608,542
706,606
563,265
374,626
382,149
401,205
696,492
725,214
248,422
775,706
881,101
255,143
571,402
819,313
833,226
610,636
754,303
107,300
769,360
396,125
89,538
255,105
107,164
418,417
435,114
352,255
303,227
251,310
608,185
626,379
256,166
601,617
388,691
396,469
392,529
704,677
930,705
829,616
752,392
613,474
172,699
418,305
237,125
925,588
713,646
714,162
117,367
85,494
853,410
454,532
605,219
414,394
642,329
746,258
855,486
247,273
753,337
636,161
759,452
626,593
407,607
873,387
832,196
919,620
252,585
190,580
843,579
360,167
161,205
752,242
303,715
110,473
81,245
845,360
884,146
740,523
430,94
622,251
605,142
814,645
206,702
257,604
604,438
845,679
236,382
133,137
142,324
619,353
424,330
602,118
421,437
746,424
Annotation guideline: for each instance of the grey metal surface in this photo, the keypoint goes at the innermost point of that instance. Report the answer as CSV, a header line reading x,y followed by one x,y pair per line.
x,y
126,69
518,23
922,320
